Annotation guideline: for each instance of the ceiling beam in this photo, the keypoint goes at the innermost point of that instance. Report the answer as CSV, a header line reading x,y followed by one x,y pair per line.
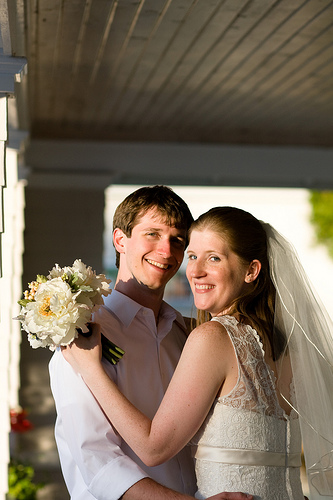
x,y
179,164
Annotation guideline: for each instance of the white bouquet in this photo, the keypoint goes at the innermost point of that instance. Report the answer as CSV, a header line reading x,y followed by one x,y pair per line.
x,y
56,308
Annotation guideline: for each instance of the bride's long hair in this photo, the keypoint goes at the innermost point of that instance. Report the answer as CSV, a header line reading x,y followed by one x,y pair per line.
x,y
247,239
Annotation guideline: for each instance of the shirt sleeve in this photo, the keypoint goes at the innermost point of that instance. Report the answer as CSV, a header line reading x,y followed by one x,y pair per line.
x,y
85,436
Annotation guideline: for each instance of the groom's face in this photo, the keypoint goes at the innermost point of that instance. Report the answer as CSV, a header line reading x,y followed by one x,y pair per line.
x,y
153,253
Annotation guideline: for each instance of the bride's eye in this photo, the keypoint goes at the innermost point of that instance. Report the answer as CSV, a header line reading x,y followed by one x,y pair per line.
x,y
192,257
214,258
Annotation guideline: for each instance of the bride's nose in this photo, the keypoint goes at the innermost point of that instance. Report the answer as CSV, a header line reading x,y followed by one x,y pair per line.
x,y
196,269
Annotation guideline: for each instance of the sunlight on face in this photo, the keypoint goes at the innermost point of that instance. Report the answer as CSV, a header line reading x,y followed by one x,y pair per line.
x,y
215,273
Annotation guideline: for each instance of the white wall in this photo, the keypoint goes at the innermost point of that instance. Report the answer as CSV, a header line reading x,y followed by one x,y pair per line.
x,y
10,292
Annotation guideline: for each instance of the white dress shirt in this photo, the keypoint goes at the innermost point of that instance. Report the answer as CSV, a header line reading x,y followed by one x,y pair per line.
x,y
96,462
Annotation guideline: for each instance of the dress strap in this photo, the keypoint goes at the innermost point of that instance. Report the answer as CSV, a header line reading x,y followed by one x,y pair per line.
x,y
246,457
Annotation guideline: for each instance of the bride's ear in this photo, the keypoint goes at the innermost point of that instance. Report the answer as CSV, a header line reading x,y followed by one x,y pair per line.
x,y
253,271
119,239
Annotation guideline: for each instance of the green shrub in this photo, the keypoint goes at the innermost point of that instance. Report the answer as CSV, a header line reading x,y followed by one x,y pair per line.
x,y
322,217
20,484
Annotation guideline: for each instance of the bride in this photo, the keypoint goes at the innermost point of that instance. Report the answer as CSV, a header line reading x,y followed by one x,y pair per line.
x,y
248,386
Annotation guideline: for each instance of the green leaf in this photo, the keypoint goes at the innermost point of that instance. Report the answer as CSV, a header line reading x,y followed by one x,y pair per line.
x,y
41,278
73,279
24,302
85,288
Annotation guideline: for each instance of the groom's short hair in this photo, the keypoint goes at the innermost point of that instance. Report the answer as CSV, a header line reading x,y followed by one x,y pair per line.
x,y
161,198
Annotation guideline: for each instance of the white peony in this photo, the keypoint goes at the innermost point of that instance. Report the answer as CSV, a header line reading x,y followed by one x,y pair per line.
x,y
91,287
52,318
35,342
54,307
87,278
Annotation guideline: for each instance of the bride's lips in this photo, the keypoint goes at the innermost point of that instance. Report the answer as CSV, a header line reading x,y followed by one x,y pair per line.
x,y
203,287
158,264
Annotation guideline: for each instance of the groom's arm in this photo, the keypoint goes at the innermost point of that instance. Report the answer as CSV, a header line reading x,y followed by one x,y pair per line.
x,y
150,490
90,453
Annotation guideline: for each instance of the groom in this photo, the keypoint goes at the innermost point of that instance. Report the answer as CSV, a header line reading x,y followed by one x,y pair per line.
x,y
150,236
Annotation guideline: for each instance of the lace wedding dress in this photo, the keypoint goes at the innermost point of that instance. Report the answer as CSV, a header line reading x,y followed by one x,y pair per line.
x,y
247,442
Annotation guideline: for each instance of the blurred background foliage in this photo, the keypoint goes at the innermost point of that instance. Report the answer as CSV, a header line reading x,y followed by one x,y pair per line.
x,y
322,217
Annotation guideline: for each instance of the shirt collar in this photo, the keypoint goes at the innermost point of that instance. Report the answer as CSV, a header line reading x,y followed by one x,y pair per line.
x,y
167,310
126,309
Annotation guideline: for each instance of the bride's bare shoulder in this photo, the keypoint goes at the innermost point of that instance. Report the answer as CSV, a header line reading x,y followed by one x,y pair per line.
x,y
211,331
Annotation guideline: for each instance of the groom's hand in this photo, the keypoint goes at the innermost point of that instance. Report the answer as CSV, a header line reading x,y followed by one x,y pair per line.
x,y
231,496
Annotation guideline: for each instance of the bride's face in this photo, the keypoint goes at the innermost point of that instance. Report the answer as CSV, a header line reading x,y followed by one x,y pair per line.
x,y
216,275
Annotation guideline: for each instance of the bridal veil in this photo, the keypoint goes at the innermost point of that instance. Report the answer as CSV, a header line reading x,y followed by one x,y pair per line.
x,y
309,349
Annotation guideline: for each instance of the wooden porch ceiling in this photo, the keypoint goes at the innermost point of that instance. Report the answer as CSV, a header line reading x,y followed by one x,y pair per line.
x,y
208,71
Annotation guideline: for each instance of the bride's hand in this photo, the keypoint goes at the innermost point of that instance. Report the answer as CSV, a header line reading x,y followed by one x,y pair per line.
x,y
85,353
